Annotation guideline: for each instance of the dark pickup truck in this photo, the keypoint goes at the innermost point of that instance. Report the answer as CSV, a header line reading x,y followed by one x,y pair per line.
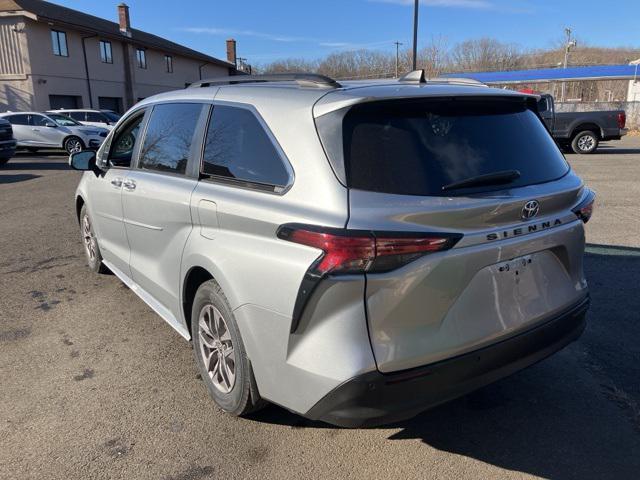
x,y
581,131
7,142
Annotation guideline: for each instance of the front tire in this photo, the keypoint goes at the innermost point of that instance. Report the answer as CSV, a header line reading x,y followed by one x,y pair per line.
x,y
90,243
585,142
73,145
220,353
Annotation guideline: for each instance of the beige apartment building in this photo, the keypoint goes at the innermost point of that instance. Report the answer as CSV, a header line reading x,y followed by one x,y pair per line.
x,y
56,57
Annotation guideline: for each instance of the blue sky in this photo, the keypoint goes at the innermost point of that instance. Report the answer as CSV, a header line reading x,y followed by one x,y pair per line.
x,y
270,29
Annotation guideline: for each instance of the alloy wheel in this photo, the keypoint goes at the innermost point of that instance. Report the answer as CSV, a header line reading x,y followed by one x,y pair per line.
x,y
586,143
89,238
73,145
216,348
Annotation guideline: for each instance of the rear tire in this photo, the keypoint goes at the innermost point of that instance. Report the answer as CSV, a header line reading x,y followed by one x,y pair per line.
x,y
585,142
73,144
90,243
220,354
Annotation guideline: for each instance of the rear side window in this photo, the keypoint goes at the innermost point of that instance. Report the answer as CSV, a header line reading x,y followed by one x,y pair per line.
x,y
418,147
18,119
95,117
169,136
238,148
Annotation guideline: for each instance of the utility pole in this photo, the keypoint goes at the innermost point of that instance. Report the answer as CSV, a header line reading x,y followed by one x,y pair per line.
x,y
570,43
415,34
397,44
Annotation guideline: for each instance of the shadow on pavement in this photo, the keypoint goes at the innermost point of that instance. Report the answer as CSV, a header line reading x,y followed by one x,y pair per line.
x,y
613,150
40,153
574,415
22,165
21,177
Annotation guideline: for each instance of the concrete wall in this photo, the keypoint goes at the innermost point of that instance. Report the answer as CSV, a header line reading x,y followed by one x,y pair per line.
x,y
631,108
30,72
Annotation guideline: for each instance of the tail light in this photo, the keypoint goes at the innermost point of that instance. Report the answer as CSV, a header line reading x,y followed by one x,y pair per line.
x,y
357,251
622,119
584,209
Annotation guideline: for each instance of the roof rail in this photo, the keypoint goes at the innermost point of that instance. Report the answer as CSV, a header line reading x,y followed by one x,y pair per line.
x,y
418,76
302,79
460,80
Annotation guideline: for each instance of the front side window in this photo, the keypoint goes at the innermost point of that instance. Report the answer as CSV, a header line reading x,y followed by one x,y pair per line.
x,y
96,117
124,141
168,61
39,121
237,147
105,52
77,116
141,58
59,43
63,120
167,142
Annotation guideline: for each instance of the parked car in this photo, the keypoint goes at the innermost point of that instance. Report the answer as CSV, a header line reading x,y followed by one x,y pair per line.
x,y
36,130
355,253
7,142
97,118
581,132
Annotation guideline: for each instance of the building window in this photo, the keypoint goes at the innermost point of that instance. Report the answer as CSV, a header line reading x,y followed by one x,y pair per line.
x,y
168,61
141,58
59,43
105,52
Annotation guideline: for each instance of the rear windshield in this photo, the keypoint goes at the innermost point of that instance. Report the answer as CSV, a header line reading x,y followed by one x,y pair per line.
x,y
418,147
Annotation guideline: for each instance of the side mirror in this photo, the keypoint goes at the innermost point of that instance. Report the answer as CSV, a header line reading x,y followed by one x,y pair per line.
x,y
84,161
50,124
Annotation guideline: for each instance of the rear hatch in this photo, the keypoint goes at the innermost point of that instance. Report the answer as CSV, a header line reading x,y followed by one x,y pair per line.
x,y
483,167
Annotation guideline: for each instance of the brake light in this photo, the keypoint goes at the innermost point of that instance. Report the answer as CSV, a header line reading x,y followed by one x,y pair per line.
x,y
357,251
584,209
622,119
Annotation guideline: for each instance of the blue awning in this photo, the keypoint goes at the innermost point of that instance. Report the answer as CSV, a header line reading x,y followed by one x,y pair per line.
x,y
597,72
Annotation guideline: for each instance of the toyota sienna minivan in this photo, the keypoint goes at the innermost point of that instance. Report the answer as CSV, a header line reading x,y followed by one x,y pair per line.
x,y
354,252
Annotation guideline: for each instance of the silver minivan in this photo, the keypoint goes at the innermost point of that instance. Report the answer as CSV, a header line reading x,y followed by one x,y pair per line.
x,y
354,252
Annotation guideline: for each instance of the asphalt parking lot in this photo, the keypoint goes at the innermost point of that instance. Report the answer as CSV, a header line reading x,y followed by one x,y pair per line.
x,y
94,385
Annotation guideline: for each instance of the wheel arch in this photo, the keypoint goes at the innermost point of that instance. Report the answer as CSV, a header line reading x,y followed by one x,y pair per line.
x,y
593,127
79,204
67,137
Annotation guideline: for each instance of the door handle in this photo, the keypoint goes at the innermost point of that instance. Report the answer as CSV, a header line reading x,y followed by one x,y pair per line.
x,y
117,182
129,184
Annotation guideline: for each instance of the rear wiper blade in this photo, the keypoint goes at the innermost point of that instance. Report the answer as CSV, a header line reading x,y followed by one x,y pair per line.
x,y
496,178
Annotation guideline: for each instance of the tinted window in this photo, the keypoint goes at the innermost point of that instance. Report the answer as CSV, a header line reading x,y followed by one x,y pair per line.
x,y
39,120
78,116
18,119
169,135
124,142
95,117
416,148
238,147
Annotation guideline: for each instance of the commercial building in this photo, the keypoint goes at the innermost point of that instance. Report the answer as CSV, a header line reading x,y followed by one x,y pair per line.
x,y
56,57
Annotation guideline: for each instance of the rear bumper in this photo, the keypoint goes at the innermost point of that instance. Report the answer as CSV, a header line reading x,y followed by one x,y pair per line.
x,y
375,398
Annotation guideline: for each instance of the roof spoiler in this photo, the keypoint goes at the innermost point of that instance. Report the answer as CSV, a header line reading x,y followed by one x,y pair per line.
x,y
302,79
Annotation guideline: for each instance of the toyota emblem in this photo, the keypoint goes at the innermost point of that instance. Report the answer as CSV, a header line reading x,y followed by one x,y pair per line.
x,y
530,209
